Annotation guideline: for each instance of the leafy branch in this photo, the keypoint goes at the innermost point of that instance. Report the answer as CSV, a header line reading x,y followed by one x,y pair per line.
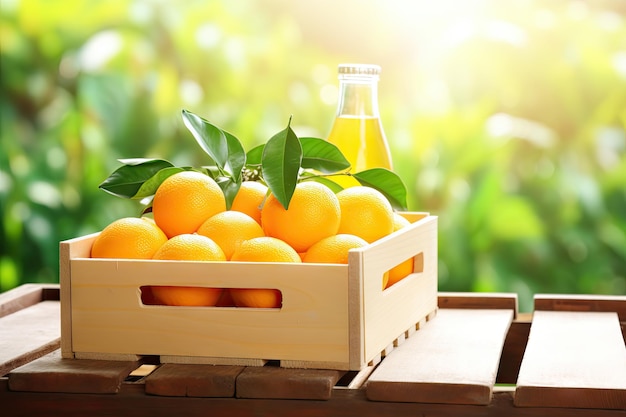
x,y
280,163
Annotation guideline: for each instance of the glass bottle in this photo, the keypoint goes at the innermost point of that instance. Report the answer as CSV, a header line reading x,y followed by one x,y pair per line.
x,y
357,130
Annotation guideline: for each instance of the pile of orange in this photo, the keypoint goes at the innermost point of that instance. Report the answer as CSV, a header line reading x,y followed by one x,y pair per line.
x,y
190,222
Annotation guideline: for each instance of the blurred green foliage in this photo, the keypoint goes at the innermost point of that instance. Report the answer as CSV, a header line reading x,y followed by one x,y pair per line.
x,y
505,119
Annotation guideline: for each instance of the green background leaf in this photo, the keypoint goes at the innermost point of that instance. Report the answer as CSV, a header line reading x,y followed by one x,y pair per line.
x,y
465,133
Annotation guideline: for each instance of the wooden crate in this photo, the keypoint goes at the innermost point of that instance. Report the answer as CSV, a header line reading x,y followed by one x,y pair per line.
x,y
332,316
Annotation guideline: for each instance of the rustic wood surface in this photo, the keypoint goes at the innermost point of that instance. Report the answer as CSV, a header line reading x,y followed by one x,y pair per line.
x,y
21,297
282,383
500,301
606,303
188,391
28,334
573,359
184,380
51,373
453,360
132,401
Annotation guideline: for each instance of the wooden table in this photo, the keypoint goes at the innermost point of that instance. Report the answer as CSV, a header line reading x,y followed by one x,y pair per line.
x,y
477,357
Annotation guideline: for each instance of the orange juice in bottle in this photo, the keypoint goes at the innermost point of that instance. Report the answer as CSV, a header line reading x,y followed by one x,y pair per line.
x,y
357,130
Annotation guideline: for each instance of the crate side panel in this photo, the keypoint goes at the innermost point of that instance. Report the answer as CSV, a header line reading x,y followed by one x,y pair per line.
x,y
107,315
79,247
389,313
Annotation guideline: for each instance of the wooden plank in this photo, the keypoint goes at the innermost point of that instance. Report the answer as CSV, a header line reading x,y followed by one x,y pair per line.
x,y
20,297
193,380
453,359
601,303
52,373
283,383
497,301
573,359
28,334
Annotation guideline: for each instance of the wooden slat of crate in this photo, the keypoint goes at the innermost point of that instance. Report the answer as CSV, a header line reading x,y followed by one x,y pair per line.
x,y
573,359
380,318
453,359
51,373
28,334
286,383
118,320
187,380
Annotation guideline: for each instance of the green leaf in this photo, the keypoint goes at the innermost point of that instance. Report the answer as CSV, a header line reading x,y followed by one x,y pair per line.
x,y
255,155
323,156
229,187
126,181
387,182
149,187
236,156
281,161
138,161
210,138
325,181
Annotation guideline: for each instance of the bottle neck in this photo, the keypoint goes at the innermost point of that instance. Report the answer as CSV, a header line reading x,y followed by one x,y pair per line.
x,y
358,96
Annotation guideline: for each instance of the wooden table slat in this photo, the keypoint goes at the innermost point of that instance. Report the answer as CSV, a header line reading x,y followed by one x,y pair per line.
x,y
28,334
26,295
570,302
286,383
573,359
477,300
453,359
187,380
51,373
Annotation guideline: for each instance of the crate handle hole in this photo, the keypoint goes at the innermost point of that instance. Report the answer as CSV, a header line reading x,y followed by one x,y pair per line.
x,y
412,265
189,296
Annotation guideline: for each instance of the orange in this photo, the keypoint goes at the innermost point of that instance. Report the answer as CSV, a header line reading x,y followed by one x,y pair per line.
x,y
229,229
333,249
184,201
265,249
188,247
129,237
405,268
261,249
365,212
313,214
249,199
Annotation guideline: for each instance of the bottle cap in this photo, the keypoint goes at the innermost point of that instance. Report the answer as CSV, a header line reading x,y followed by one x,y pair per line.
x,y
359,69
